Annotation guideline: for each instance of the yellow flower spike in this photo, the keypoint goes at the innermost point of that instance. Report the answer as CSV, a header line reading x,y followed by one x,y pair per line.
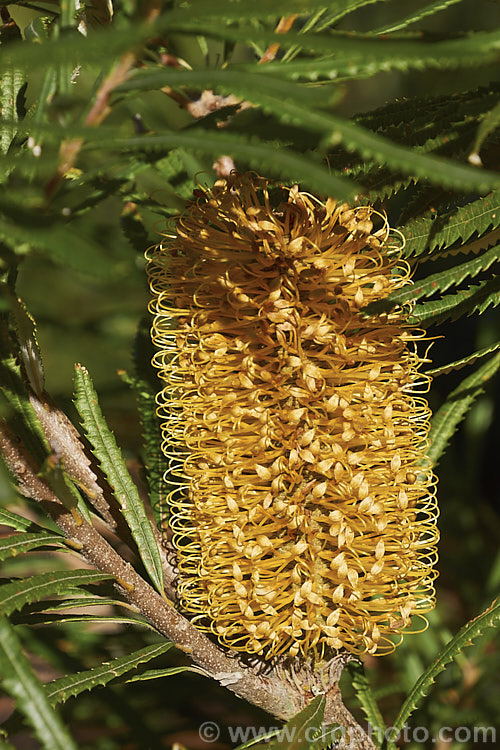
x,y
305,514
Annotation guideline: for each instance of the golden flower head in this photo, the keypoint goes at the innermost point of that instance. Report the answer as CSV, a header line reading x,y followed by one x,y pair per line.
x,y
304,516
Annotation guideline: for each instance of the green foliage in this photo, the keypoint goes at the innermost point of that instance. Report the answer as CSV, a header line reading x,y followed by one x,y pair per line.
x,y
21,682
445,421
366,698
18,593
303,731
104,135
16,544
154,459
113,465
431,232
473,629
17,409
468,360
60,690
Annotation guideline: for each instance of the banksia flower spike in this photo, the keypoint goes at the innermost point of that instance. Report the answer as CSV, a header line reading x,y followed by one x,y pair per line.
x,y
304,516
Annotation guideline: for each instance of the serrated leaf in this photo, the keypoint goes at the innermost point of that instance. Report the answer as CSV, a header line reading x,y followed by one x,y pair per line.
x,y
281,99
258,154
440,282
15,521
349,55
61,243
366,698
443,229
15,595
297,734
113,41
84,599
448,417
114,467
154,458
464,638
48,619
133,228
16,544
29,349
407,20
459,363
471,248
239,10
11,89
476,298
21,416
63,688
21,683
71,49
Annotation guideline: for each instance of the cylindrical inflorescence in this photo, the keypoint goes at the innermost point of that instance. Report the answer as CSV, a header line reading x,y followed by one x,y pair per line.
x,y
304,516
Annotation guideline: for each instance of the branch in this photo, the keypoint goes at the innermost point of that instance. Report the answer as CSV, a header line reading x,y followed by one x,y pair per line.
x,y
279,693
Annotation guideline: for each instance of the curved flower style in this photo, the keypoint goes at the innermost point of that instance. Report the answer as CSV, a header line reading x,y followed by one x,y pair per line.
x,y
304,516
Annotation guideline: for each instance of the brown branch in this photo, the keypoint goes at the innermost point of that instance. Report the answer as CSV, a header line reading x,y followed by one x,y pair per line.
x,y
275,691
67,445
270,693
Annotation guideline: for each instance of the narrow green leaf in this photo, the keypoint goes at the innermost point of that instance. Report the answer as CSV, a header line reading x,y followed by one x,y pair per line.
x,y
63,243
475,298
490,122
20,592
366,698
356,56
60,690
48,619
239,10
29,349
443,229
339,10
114,467
21,683
84,599
440,282
20,416
70,49
473,629
16,544
133,228
45,94
113,41
407,20
258,154
156,674
12,84
154,459
278,97
299,733
459,363
446,420
14,521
